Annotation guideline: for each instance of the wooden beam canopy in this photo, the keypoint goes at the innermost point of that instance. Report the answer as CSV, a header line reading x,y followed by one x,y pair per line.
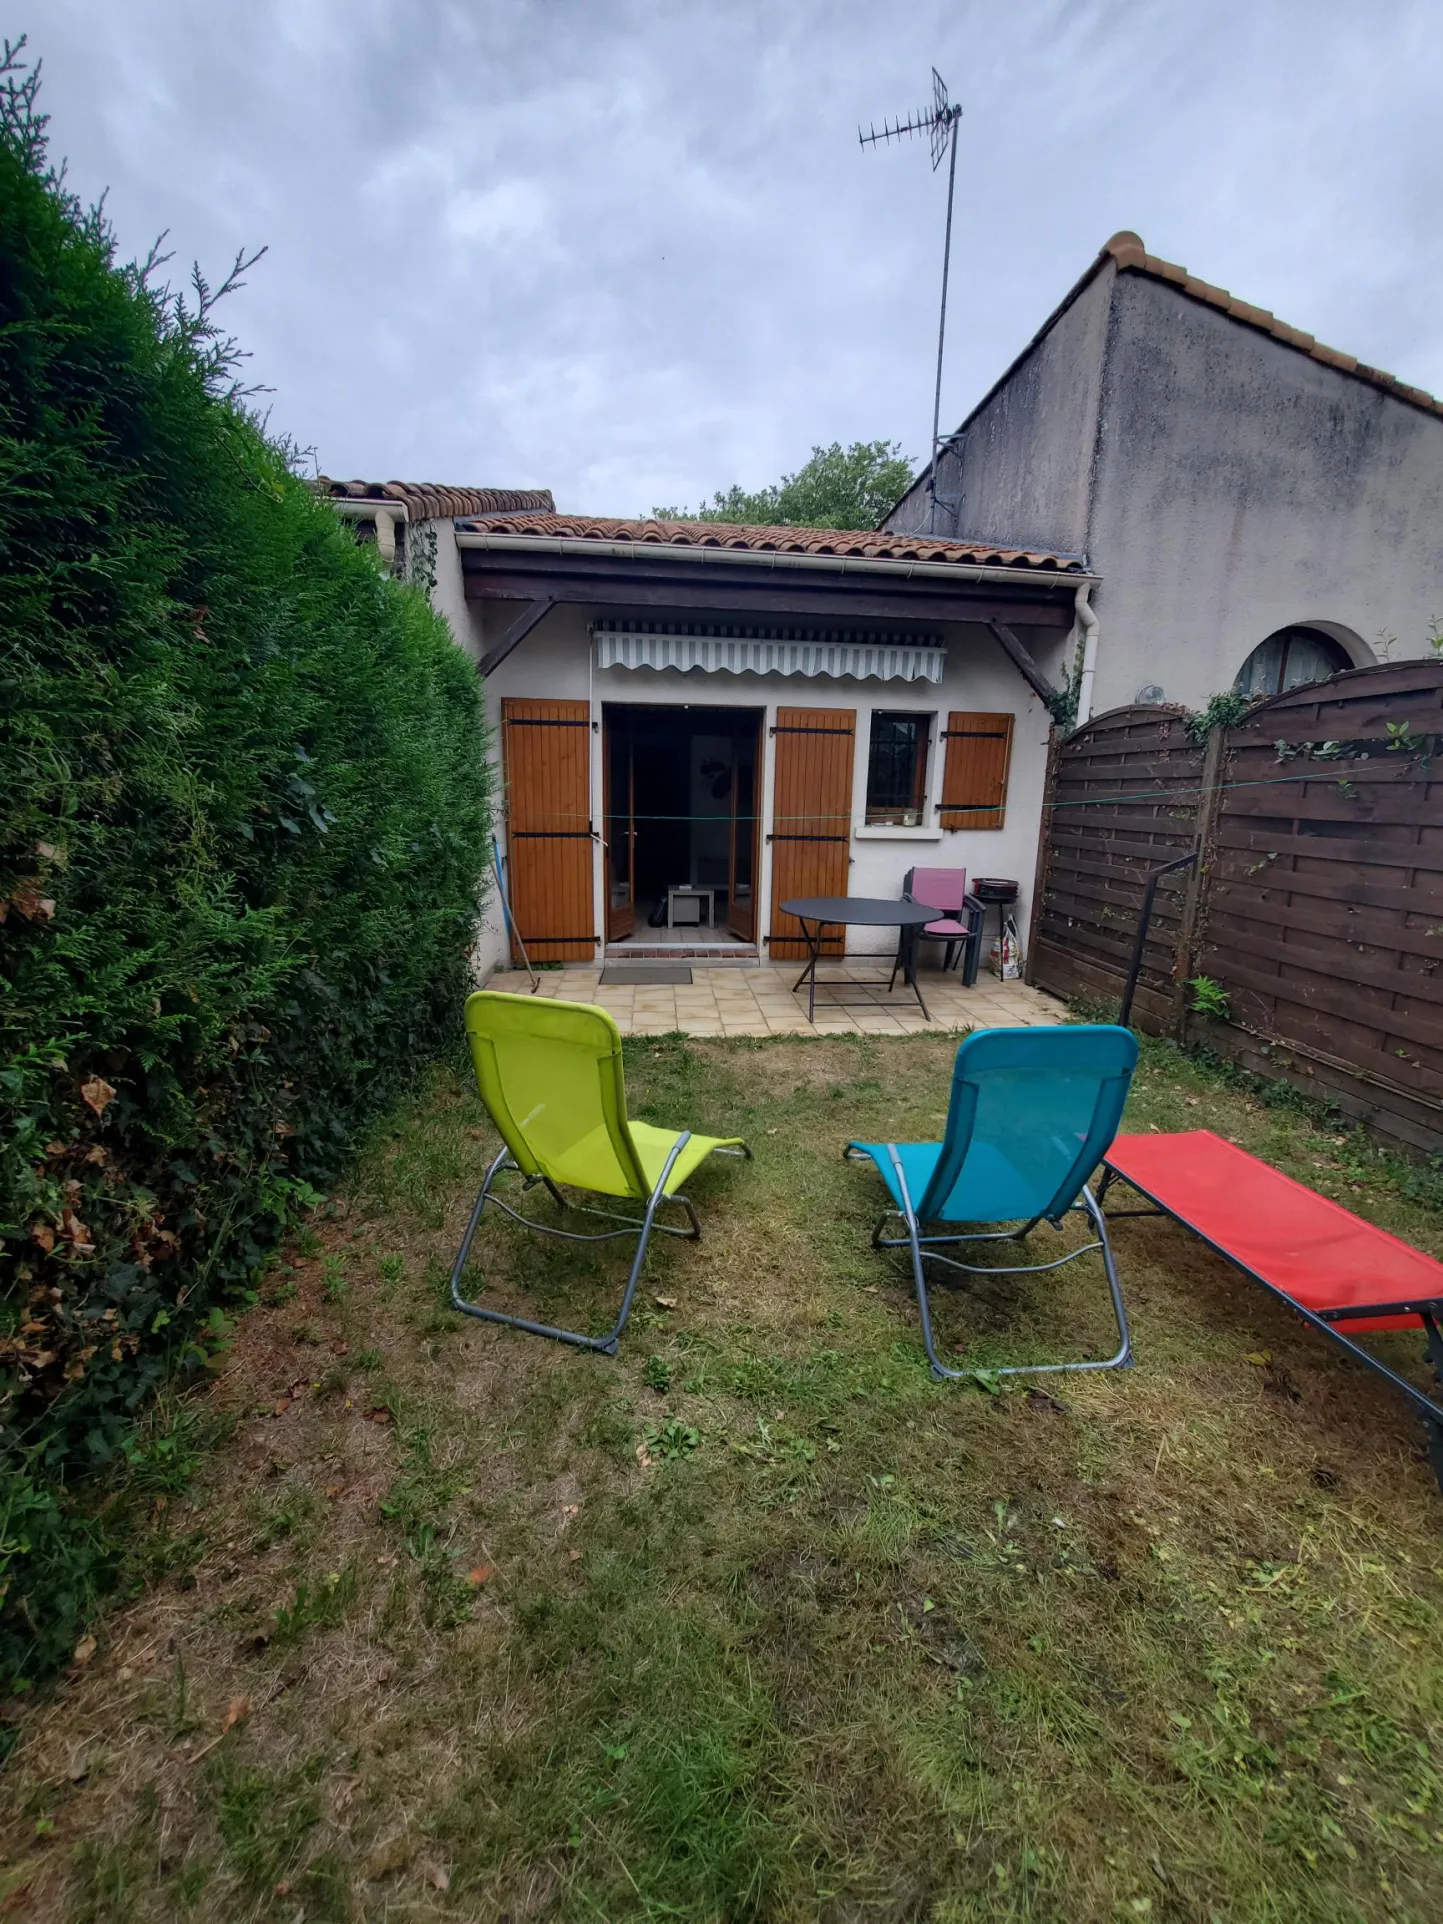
x,y
746,591
518,631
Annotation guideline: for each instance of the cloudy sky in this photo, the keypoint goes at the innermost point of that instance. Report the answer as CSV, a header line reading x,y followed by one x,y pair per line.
x,y
631,250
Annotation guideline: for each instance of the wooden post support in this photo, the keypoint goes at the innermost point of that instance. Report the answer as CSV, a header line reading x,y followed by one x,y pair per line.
x,y
1195,895
1044,850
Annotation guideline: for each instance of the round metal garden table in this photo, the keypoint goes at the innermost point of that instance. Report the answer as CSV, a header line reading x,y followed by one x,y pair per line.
x,y
858,911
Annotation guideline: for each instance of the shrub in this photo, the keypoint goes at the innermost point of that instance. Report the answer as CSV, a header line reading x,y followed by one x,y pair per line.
x,y
243,818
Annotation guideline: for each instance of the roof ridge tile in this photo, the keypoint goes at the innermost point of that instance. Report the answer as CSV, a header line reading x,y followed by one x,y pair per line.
x,y
831,543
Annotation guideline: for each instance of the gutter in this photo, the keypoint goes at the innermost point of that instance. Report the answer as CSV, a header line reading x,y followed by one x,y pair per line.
x,y
385,514
539,544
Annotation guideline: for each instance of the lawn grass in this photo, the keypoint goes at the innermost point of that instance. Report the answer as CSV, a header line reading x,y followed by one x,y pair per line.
x,y
756,1620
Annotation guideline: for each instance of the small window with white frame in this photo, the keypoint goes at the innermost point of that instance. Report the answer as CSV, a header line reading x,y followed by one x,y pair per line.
x,y
897,761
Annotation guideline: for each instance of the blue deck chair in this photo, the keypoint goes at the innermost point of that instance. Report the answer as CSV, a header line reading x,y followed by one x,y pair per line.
x,y
1032,1114
550,1074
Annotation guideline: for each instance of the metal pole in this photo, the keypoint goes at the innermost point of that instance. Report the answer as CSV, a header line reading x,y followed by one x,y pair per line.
x,y
511,928
942,332
1144,920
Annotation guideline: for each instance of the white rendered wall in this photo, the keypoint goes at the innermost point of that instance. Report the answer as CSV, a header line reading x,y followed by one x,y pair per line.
x,y
1223,484
555,662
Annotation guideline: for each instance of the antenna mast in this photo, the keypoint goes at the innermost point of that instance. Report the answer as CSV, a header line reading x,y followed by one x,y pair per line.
x,y
940,125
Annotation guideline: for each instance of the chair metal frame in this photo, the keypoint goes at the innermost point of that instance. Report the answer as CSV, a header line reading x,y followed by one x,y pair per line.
x,y
1427,1309
642,1230
922,1247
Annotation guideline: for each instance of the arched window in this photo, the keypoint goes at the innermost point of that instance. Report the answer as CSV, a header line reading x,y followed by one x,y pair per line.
x,y
1288,659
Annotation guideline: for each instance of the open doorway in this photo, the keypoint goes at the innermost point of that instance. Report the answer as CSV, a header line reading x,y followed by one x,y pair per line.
x,y
681,803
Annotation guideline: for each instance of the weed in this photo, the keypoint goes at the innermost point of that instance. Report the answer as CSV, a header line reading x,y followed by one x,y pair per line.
x,y
657,1374
264,1818
315,1606
671,1441
1209,997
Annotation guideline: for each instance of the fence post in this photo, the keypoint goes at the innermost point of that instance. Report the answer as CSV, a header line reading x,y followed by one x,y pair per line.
x,y
1044,849
1195,896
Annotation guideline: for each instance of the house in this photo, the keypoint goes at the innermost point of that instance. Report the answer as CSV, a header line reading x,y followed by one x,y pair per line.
x,y
746,714
1262,510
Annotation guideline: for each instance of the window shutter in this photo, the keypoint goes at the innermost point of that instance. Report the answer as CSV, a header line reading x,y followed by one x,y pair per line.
x,y
974,774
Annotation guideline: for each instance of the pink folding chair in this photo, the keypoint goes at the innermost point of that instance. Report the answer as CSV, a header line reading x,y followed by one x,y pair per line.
x,y
959,919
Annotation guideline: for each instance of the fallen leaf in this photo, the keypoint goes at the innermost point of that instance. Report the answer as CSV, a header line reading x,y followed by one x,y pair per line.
x,y
1193,1102
437,1876
664,1302
238,1708
85,1649
575,1556
340,1349
44,1235
483,1573
571,1509
644,1456
1262,1357
380,1415
335,1489
97,1094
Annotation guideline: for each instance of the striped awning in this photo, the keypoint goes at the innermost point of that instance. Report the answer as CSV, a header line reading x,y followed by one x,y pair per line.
x,y
761,651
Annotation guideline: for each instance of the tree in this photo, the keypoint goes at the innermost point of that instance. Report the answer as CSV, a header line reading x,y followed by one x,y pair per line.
x,y
838,488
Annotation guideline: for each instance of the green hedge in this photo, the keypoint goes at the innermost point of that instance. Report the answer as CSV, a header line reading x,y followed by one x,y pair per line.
x,y
243,823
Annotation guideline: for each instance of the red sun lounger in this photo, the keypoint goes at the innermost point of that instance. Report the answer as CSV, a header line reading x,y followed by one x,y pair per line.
x,y
1332,1268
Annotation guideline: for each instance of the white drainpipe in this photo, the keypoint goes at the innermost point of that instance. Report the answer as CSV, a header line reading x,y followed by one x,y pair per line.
x,y
1089,622
385,514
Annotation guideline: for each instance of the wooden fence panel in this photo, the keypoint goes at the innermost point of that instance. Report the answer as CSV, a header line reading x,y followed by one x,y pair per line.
x,y
1324,919
1317,906
1122,800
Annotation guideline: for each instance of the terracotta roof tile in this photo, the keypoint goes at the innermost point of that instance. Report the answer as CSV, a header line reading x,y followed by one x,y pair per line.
x,y
862,543
1129,254
433,501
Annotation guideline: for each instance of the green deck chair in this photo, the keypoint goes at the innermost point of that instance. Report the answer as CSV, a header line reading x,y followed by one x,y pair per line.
x,y
550,1074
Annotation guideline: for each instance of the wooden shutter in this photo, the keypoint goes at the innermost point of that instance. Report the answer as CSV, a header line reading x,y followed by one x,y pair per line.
x,y
974,774
546,747
811,818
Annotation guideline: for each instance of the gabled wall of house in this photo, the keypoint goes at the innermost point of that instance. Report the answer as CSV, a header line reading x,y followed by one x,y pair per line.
x,y
1020,468
1241,487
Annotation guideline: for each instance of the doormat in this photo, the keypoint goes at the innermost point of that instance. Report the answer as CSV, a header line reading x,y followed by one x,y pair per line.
x,y
618,974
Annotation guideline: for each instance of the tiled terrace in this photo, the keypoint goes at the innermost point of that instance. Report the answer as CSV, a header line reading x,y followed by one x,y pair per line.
x,y
760,1002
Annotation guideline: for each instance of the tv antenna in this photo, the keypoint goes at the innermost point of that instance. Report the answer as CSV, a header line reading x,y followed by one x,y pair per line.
x,y
939,123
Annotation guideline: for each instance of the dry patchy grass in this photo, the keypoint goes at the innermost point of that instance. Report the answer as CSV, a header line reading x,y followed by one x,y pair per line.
x,y
425,1638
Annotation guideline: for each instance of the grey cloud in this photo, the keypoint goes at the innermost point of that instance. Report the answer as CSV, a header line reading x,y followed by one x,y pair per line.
x,y
630,249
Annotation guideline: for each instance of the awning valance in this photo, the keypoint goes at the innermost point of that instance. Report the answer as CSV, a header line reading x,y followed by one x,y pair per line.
x,y
760,651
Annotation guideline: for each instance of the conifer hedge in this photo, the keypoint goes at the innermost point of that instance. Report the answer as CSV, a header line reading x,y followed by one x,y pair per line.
x,y
243,823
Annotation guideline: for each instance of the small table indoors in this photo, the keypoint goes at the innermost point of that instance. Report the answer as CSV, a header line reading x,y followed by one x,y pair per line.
x,y
686,896
858,911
